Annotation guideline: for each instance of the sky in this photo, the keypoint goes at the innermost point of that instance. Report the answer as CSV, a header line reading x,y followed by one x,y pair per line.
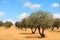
x,y
15,10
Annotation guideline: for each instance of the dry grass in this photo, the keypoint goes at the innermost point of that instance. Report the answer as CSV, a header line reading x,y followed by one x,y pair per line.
x,y
17,34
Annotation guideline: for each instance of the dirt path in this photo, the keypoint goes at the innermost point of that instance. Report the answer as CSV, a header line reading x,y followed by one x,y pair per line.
x,y
17,34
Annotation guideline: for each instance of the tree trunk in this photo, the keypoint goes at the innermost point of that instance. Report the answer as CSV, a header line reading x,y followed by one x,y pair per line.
x,y
57,27
32,31
52,28
25,29
39,30
42,35
35,30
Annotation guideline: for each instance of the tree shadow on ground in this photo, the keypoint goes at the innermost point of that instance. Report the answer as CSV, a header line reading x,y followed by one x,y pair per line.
x,y
58,31
34,37
27,33
30,35
55,31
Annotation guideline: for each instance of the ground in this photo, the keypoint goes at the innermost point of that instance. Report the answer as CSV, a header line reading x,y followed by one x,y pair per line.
x,y
14,33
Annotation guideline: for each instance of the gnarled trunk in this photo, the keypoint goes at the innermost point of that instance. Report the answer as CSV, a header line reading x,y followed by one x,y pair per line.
x,y
42,35
32,31
39,30
57,27
35,30
25,29
52,28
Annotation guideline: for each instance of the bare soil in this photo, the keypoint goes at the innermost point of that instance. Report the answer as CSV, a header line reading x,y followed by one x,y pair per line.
x,y
14,33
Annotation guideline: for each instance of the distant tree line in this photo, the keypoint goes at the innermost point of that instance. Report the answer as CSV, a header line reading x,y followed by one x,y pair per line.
x,y
6,24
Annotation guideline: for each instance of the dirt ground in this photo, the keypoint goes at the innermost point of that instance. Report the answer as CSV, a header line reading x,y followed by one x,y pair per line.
x,y
17,34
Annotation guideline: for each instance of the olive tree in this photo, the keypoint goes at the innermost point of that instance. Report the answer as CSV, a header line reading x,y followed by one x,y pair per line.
x,y
18,24
24,23
41,19
56,23
8,24
1,23
32,22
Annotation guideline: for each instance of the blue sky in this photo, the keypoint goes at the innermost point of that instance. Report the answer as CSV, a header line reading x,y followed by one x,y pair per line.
x,y
14,10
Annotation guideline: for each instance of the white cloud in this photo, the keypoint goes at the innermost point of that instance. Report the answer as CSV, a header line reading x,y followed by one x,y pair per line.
x,y
55,5
56,15
10,19
32,6
1,14
23,15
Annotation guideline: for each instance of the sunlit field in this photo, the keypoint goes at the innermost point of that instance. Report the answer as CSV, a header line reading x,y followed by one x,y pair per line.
x,y
29,19
14,33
